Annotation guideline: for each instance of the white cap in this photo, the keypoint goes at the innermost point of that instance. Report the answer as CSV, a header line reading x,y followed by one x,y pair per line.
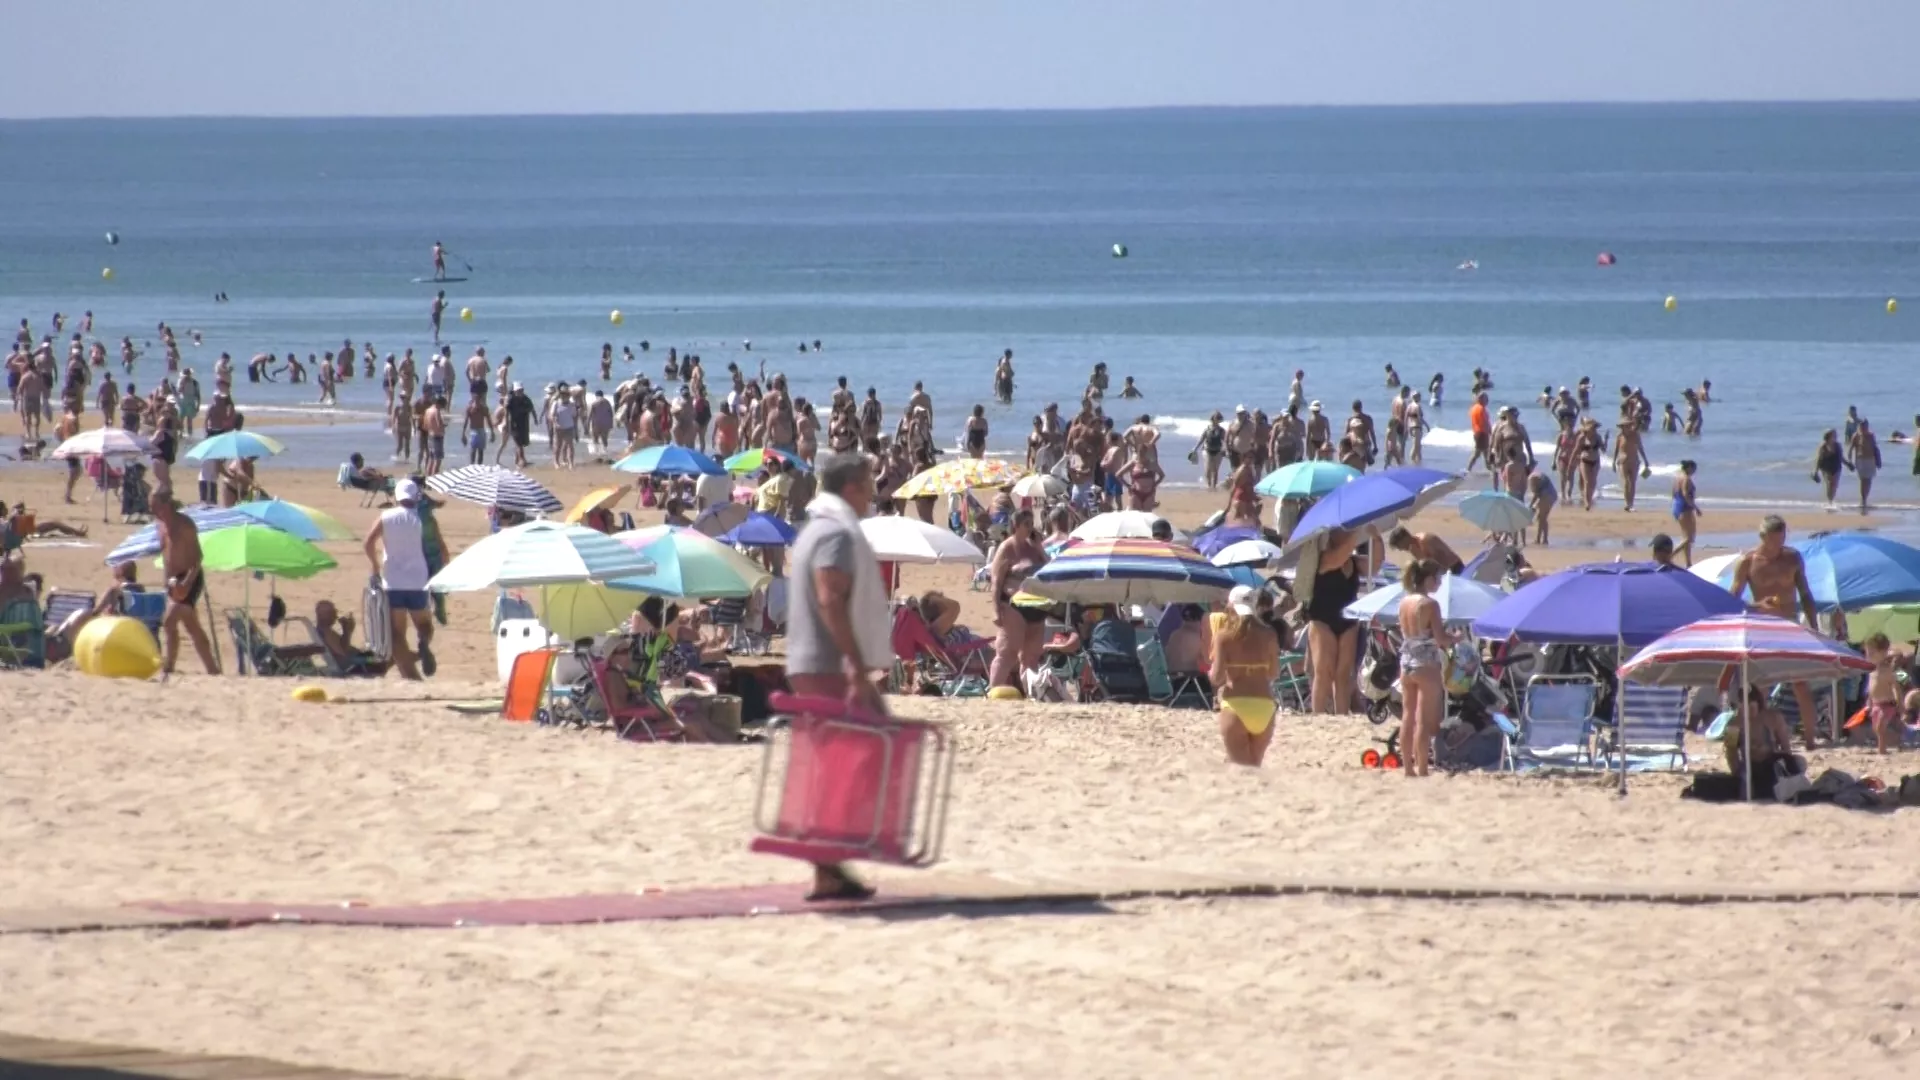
x,y
519,387
1241,600
1315,406
1239,408
406,491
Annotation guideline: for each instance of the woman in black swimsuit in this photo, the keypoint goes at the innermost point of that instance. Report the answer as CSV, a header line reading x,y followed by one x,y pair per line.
x,y
1333,638
1827,463
977,432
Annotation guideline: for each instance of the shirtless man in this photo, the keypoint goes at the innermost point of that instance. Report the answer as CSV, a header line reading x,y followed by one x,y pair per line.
x,y
476,428
186,582
1426,546
1283,444
1416,429
1864,449
919,400
1241,436
1360,430
433,427
477,368
435,314
1003,378
1297,391
439,262
1143,439
1395,450
1778,577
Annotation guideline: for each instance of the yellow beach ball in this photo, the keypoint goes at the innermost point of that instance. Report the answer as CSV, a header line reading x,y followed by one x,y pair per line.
x,y
466,314
313,695
1004,693
616,318
1672,303
116,647
106,273
1892,305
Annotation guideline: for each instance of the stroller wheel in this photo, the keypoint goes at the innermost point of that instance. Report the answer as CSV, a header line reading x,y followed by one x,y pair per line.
x,y
542,717
1370,758
1391,761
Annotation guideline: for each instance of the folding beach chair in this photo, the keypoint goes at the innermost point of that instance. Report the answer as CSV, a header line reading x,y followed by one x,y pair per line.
x,y
23,635
1789,705
1652,728
1556,723
1293,686
148,607
256,650
647,720
960,671
64,604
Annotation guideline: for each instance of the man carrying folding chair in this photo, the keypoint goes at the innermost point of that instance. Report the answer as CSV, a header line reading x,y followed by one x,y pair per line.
x,y
837,623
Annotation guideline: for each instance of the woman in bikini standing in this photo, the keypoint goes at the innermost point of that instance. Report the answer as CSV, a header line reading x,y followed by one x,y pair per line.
x,y
1017,648
1686,510
1423,656
1246,657
1588,445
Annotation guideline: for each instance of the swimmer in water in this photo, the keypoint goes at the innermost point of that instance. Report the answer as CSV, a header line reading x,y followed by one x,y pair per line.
x,y
1393,378
1128,390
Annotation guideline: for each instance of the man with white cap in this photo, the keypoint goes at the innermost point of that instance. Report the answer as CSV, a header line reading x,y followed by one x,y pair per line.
x,y
1242,433
396,548
1319,435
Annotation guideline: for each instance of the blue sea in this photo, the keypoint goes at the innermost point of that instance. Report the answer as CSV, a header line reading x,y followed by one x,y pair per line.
x,y
917,246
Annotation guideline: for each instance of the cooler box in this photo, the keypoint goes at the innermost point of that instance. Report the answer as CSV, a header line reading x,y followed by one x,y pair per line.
x,y
842,786
517,636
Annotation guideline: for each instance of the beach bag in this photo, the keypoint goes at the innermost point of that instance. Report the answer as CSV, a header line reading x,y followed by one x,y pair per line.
x,y
1044,684
1308,570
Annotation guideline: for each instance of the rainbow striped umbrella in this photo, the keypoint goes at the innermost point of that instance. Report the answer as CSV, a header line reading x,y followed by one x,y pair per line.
x,y
1129,571
959,476
1766,648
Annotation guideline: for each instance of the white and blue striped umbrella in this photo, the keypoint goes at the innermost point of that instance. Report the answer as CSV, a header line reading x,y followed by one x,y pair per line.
x,y
540,553
146,540
491,485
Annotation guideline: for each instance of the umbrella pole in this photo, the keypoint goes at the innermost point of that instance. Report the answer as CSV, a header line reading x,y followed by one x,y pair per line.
x,y
1620,709
1745,756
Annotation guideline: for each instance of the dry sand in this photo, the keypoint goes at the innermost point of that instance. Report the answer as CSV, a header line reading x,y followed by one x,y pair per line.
x,y
225,789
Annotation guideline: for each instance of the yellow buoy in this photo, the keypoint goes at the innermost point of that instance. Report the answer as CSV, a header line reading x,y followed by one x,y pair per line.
x,y
1004,693
311,694
466,314
106,273
1892,305
616,318
1672,303
116,647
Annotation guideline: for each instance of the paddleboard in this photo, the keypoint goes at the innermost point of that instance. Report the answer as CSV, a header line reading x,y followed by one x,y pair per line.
x,y
436,280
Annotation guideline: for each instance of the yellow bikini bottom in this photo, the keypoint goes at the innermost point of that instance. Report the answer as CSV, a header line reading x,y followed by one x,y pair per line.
x,y
1255,713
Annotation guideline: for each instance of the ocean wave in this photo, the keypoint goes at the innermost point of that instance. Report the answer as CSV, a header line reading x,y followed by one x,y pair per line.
x,y
1452,439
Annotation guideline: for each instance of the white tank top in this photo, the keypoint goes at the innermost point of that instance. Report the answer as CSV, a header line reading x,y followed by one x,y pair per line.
x,y
405,565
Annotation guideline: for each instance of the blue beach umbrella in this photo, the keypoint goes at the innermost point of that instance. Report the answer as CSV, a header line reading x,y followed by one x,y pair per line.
x,y
1395,493
234,444
1305,479
759,530
669,460
146,540
1496,511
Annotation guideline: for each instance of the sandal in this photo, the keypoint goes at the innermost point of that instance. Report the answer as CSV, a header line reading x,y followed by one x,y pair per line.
x,y
834,883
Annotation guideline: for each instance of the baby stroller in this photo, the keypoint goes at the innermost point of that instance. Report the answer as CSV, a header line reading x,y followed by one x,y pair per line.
x,y
134,493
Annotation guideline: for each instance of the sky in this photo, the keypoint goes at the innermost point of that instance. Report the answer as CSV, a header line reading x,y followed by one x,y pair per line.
x,y
74,58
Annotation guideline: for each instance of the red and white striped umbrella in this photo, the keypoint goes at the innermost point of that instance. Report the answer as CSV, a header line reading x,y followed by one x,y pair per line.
x,y
1769,649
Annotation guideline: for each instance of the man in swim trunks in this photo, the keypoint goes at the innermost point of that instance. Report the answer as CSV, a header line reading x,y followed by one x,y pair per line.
x,y
439,309
1865,451
439,262
186,583
1319,435
1482,433
1778,577
1241,435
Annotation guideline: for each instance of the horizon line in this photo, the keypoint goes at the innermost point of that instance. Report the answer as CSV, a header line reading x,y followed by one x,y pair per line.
x,y
984,110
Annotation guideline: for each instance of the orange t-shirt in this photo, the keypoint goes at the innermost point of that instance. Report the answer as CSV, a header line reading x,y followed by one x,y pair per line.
x,y
1477,416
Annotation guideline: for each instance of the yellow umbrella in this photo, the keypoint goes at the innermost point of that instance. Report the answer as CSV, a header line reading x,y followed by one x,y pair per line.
x,y
961,475
583,609
597,499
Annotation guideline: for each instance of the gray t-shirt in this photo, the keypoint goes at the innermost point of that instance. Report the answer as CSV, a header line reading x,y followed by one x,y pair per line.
x,y
822,543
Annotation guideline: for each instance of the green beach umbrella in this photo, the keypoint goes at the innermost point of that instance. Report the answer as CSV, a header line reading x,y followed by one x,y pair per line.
x,y
1900,622
264,550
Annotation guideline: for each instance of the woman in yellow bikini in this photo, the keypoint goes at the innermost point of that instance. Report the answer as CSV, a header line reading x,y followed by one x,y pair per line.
x,y
1246,657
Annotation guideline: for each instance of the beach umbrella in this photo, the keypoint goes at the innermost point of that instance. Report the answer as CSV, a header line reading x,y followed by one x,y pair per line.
x,y
1718,569
1849,571
1039,487
747,461
1129,571
1305,479
669,460
597,499
689,564
759,530
1461,600
1619,604
1496,512
234,444
910,540
1760,649
290,517
1255,552
1900,622
1120,524
491,485
262,549
582,609
722,518
1392,495
103,442
1211,542
539,553
146,540
959,476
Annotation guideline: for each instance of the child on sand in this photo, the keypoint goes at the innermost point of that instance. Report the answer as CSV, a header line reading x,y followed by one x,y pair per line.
x,y
1883,694
1541,496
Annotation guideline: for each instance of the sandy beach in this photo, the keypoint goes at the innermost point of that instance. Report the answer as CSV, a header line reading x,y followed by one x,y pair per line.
x,y
225,789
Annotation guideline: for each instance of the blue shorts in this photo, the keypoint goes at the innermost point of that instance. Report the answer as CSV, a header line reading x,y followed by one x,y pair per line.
x,y
406,599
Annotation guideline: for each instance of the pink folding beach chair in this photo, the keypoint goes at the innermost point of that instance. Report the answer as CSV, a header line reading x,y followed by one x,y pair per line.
x,y
844,785
959,669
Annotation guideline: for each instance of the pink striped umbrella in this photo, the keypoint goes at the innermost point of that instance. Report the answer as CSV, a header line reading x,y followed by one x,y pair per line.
x,y
1767,649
